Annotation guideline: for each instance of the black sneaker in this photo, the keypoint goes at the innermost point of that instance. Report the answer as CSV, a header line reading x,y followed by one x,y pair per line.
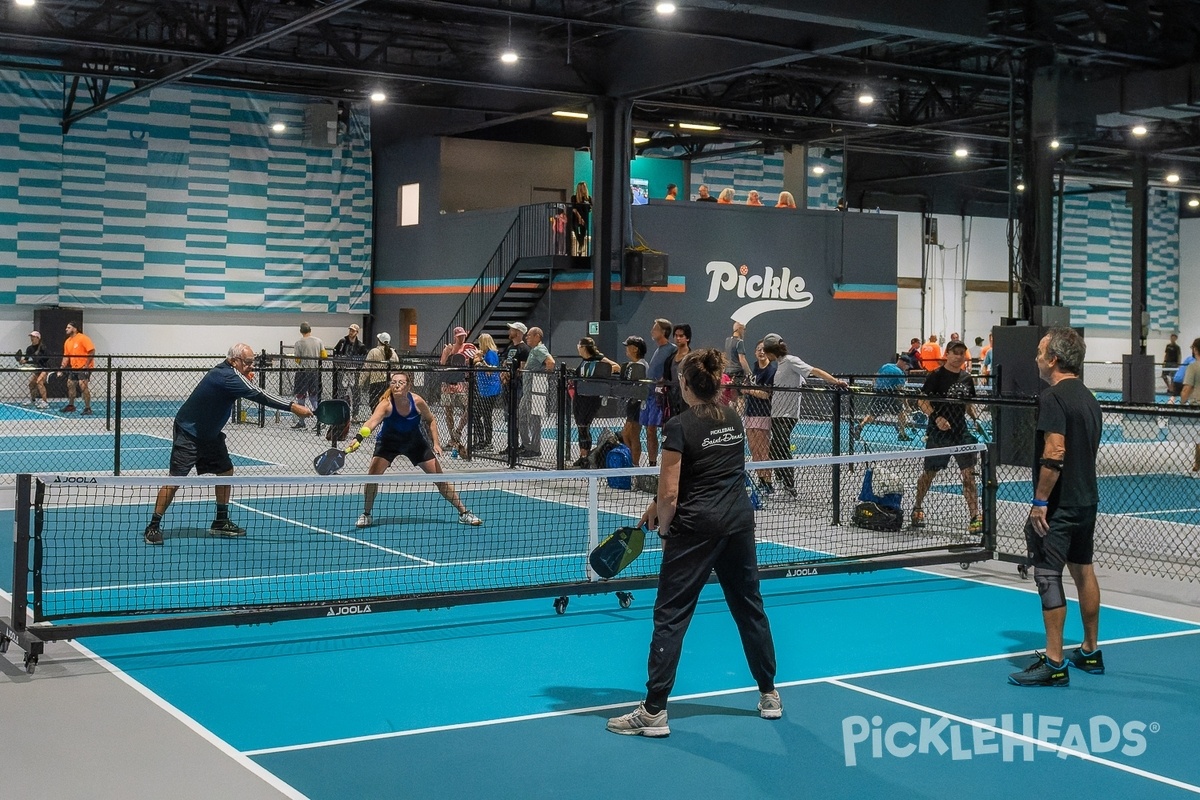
x,y
225,527
1088,662
1041,673
153,534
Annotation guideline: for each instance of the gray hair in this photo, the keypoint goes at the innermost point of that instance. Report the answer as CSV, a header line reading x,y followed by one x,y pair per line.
x,y
240,350
1067,347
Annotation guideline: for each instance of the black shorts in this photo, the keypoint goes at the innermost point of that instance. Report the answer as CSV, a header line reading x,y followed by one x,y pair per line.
x,y
414,447
308,381
884,405
79,375
1071,538
208,457
633,411
965,461
1176,389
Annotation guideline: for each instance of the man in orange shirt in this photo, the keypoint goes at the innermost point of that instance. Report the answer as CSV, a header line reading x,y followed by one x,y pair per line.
x,y
931,354
79,359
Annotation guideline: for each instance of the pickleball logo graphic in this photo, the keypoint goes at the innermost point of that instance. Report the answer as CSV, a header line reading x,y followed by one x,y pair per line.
x,y
773,290
1010,737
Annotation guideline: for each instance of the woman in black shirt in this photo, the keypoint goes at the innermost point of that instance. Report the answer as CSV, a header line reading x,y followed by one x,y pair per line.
x,y
706,522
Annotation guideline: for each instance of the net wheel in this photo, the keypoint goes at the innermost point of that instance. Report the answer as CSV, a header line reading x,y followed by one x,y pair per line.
x,y
965,565
30,663
3,645
625,599
560,605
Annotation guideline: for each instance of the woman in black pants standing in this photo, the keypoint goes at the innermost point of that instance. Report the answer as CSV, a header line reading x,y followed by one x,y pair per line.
x,y
706,522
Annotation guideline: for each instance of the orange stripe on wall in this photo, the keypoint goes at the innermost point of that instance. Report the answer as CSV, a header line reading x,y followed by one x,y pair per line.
x,y
864,296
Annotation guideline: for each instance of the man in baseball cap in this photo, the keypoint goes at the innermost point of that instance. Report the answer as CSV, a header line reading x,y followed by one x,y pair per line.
x,y
517,353
518,326
35,357
348,355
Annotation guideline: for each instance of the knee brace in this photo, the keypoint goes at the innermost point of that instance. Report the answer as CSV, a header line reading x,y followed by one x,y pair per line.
x,y
1050,588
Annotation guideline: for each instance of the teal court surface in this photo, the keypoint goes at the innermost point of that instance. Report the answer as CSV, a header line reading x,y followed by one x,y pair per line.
x,y
893,685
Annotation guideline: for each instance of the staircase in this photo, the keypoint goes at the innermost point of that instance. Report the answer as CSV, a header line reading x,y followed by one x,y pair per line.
x,y
516,277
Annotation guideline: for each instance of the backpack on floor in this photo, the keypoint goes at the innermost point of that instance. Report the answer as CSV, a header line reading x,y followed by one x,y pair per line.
x,y
619,457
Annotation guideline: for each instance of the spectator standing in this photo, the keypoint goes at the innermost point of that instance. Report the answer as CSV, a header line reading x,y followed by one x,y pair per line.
x,y
458,355
348,354
753,199
35,357
758,414
702,195
515,356
672,194
378,363
487,383
682,335
1190,397
588,398
633,371
725,197
655,409
786,200
931,354
538,368
1171,358
79,359
308,352
737,368
581,210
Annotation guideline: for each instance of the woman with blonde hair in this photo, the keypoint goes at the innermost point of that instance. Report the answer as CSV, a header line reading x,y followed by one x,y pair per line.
x,y
487,388
726,196
786,200
581,209
753,198
374,377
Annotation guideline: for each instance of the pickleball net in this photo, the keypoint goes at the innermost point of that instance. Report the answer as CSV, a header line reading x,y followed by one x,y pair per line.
x,y
82,554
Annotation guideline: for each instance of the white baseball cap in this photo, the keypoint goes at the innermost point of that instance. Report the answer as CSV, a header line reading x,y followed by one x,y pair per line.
x,y
35,333
518,326
384,337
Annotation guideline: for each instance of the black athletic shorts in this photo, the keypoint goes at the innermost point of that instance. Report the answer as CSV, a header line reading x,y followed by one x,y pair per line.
x,y
413,447
1071,538
79,375
208,457
937,463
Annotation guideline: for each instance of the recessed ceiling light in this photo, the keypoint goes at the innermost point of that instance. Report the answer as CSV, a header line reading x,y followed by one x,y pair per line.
x,y
1139,130
569,114
279,127
866,98
1193,203
1054,144
1020,186
818,170
696,126
641,140
25,3
509,56
962,152
1173,177
378,97
665,8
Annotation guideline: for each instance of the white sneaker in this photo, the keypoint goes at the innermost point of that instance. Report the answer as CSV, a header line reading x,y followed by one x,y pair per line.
x,y
26,402
641,723
467,518
42,404
769,705
364,521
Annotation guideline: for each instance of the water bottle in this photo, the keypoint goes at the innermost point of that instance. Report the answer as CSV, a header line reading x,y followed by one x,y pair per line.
x,y
454,453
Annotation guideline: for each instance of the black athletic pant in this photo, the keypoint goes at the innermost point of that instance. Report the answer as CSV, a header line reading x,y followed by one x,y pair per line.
x,y
781,448
687,561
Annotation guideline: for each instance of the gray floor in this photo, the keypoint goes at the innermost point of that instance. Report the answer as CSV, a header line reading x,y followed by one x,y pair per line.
x,y
75,730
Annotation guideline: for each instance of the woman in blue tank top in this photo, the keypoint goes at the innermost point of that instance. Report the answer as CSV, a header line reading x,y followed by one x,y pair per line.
x,y
398,416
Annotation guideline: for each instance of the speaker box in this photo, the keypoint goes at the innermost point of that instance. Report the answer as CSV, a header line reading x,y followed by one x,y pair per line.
x,y
645,268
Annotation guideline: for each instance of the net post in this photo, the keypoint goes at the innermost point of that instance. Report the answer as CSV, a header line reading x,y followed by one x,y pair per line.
x,y
593,517
262,384
563,440
117,431
20,584
989,497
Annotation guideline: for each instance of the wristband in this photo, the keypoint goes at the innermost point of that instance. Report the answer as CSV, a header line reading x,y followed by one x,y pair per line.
x,y
1039,503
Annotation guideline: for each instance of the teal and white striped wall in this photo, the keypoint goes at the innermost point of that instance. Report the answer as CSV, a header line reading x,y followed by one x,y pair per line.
x,y
180,198
826,189
1097,252
741,172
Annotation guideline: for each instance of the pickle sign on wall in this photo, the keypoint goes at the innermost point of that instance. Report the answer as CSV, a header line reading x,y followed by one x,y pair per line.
x,y
771,291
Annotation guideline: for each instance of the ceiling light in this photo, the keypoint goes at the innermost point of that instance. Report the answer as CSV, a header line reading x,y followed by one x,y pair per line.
x,y
1139,130
641,140
696,126
962,152
25,3
1020,186
1054,144
509,56
1172,177
279,127
818,170
1193,203
665,8
569,114
378,97
866,98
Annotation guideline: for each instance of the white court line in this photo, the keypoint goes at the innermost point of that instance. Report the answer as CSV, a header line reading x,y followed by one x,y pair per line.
x,y
1150,512
106,449
374,737
344,537
1057,748
195,727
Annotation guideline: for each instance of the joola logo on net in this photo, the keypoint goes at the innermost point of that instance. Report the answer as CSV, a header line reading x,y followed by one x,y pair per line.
x,y
773,290
1026,734
73,479
341,611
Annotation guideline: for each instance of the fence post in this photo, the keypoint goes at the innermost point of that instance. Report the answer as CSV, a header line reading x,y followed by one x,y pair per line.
x,y
563,440
117,432
108,409
837,451
990,486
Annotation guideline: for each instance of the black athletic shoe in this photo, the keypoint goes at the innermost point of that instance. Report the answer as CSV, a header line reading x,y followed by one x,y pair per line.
x,y
225,527
1088,662
1041,673
152,535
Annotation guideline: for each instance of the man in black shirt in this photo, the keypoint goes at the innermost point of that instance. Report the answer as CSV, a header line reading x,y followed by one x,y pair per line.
x,y
517,353
349,354
1062,514
947,427
1171,358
